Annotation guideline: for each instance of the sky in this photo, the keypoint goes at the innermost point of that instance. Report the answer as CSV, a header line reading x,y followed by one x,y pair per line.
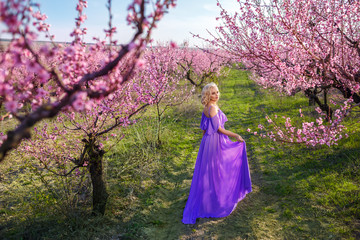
x,y
194,16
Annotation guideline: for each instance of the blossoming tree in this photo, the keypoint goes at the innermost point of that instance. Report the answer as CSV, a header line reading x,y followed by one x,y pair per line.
x,y
56,76
76,139
307,46
168,86
201,66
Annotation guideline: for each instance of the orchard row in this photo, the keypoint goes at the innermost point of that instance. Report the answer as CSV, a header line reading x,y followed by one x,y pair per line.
x,y
293,46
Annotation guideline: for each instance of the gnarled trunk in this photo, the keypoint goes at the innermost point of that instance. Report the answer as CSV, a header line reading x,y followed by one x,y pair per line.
x,y
313,98
100,194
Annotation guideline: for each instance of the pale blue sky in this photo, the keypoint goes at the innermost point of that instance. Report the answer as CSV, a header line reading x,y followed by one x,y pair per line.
x,y
188,16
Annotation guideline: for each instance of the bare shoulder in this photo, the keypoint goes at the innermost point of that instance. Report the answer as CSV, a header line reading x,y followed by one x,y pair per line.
x,y
213,110
210,110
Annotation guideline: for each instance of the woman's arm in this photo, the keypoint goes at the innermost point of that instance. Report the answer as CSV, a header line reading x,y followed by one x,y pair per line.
x,y
231,134
213,112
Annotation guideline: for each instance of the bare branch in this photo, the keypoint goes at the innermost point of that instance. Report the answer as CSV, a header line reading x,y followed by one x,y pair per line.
x,y
121,122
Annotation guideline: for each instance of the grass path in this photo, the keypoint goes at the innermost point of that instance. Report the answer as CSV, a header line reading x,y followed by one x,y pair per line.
x,y
239,223
287,202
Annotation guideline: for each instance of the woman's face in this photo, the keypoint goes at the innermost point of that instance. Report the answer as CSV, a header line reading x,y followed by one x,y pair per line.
x,y
214,94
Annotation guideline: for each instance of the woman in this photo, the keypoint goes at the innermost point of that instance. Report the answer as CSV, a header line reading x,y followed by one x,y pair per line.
x,y
221,176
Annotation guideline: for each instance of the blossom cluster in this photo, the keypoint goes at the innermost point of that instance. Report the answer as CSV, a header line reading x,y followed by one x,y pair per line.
x,y
295,46
312,133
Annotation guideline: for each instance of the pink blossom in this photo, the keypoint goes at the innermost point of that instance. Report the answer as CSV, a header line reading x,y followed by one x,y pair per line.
x,y
82,18
140,63
319,121
79,103
318,110
269,119
41,93
12,106
173,44
33,66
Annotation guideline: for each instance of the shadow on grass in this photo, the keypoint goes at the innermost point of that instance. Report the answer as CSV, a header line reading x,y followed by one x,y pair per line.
x,y
318,191
75,225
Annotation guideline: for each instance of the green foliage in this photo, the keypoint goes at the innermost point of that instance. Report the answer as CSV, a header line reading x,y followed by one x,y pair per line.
x,y
298,192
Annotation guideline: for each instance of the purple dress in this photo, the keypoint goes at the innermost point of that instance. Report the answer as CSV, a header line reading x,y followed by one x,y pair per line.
x,y
221,177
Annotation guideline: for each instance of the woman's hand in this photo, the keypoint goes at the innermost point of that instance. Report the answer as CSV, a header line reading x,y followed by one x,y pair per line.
x,y
239,138
231,134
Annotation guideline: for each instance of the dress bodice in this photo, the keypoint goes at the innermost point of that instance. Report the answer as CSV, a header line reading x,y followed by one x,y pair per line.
x,y
212,124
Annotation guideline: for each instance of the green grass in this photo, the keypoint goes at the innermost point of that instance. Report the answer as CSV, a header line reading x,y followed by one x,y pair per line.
x,y
299,192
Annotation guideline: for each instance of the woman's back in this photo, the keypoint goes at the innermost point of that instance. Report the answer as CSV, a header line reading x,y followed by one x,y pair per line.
x,y
210,110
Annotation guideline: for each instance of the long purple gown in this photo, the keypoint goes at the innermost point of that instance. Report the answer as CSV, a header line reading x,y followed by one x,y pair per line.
x,y
221,177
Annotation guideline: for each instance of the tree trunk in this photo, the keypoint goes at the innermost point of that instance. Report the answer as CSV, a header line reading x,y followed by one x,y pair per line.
x,y
100,194
313,98
347,93
158,125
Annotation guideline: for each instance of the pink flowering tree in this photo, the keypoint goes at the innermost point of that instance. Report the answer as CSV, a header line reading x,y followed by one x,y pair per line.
x,y
74,143
168,88
56,77
299,46
202,66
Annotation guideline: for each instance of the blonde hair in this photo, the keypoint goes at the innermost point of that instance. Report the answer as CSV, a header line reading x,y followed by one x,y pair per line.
x,y
205,93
